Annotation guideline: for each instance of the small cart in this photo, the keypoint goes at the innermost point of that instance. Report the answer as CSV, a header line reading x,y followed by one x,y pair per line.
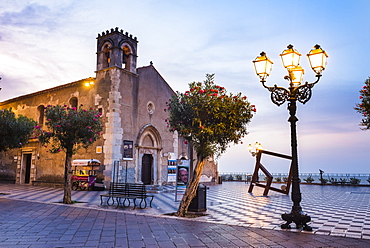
x,y
84,173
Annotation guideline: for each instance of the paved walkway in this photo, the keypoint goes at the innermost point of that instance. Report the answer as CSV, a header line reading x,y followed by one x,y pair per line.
x,y
31,217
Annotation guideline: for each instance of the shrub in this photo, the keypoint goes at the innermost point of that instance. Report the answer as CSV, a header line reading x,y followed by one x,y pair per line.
x,y
354,181
323,180
309,179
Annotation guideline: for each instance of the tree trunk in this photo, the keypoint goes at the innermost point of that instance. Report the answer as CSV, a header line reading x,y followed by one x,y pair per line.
x,y
191,189
67,199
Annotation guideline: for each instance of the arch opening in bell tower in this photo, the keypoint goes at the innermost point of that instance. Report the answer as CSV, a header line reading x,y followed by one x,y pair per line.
x,y
126,57
106,54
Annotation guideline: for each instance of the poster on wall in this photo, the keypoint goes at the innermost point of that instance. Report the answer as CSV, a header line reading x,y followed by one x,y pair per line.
x,y
128,150
182,178
171,171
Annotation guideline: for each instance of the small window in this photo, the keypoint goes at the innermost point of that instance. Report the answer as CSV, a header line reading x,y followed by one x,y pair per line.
x,y
73,102
41,114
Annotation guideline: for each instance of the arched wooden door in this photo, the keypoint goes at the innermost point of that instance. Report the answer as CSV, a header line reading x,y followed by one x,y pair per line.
x,y
146,169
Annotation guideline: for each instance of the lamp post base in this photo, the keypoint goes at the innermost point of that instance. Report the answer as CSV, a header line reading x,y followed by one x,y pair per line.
x,y
298,217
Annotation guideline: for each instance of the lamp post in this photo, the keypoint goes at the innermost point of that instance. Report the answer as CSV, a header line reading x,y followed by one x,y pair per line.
x,y
296,92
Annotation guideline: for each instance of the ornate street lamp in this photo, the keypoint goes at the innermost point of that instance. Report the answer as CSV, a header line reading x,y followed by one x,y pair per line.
x,y
296,91
257,147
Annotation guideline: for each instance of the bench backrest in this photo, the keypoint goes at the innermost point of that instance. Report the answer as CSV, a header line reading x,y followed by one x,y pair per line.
x,y
135,189
117,188
132,189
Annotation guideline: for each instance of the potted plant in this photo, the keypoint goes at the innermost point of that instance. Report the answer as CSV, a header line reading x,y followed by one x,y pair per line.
x,y
323,180
354,181
334,181
309,179
342,181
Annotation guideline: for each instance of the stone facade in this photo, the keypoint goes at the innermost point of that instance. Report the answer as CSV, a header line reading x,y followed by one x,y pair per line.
x,y
131,101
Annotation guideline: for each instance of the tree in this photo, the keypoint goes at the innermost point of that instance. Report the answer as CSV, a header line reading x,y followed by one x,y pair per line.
x,y
364,107
210,119
68,130
14,132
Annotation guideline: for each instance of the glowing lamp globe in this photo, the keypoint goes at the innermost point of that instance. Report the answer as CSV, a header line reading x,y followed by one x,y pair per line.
x,y
318,59
263,66
290,57
296,75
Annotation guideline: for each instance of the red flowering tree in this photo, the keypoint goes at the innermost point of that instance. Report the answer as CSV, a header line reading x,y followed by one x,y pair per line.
x,y
69,129
364,107
211,119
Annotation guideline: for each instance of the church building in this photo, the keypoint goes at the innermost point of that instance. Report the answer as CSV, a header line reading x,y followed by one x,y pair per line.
x,y
136,144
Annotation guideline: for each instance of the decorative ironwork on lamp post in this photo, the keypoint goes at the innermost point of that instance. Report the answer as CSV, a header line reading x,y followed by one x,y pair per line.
x,y
296,92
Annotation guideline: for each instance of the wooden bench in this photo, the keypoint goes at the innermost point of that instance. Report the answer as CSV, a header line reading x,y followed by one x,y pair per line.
x,y
127,192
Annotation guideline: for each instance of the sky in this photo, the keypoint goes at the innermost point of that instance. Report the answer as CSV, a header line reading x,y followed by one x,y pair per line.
x,y
46,43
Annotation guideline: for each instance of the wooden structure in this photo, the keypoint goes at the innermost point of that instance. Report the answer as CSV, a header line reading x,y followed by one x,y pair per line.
x,y
267,186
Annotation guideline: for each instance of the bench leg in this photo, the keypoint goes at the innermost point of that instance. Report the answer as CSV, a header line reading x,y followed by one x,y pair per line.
x,y
123,204
118,199
110,197
150,203
134,199
126,199
141,202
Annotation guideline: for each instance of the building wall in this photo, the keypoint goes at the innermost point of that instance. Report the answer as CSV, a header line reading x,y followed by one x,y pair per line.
x,y
44,165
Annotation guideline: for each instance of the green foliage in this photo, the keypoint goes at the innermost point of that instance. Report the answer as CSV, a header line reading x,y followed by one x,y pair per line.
x,y
70,128
309,179
354,181
209,117
334,180
14,132
278,179
364,107
343,180
323,180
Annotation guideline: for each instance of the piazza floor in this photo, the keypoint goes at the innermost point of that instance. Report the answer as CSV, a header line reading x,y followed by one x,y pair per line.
x,y
336,211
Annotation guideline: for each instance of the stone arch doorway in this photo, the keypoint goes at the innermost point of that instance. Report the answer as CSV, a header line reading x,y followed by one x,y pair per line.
x,y
149,152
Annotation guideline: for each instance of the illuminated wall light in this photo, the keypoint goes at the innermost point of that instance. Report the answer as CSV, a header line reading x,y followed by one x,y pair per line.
x,y
88,84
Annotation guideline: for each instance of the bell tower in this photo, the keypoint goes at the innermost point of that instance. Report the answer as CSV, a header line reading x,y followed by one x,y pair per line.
x,y
116,49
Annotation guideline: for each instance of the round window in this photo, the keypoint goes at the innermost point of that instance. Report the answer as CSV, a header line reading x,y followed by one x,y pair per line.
x,y
150,107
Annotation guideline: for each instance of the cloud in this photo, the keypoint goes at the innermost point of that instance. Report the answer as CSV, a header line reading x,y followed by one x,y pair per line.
x,y
31,15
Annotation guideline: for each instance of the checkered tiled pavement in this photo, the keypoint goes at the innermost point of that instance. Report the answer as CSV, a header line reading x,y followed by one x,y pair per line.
x,y
335,210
